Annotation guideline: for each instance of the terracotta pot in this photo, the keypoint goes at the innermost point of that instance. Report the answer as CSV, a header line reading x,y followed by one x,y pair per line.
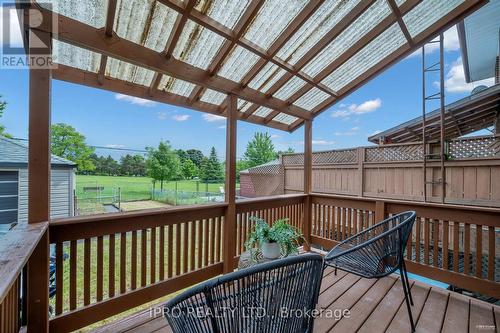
x,y
270,250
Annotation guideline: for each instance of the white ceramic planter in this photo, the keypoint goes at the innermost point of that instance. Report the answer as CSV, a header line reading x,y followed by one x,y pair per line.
x,y
270,250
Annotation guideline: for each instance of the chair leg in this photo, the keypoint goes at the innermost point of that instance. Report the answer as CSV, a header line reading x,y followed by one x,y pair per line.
x,y
406,289
407,282
335,271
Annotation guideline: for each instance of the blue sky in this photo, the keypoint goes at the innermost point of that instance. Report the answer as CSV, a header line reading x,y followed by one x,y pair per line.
x,y
108,119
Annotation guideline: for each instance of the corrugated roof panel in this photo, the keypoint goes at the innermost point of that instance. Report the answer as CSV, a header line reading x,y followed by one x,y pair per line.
x,y
197,46
175,86
145,22
426,13
226,12
267,76
311,99
238,64
74,56
386,43
285,118
400,2
364,23
273,17
262,112
289,88
243,105
91,12
322,21
213,97
124,71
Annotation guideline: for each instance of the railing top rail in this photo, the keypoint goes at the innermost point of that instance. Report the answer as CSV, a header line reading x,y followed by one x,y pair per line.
x,y
269,198
16,248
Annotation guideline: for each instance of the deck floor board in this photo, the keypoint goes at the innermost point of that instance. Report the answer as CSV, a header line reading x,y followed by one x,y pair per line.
x,y
374,305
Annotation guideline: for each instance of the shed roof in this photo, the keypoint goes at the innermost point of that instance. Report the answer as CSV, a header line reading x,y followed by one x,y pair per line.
x,y
286,61
15,154
467,115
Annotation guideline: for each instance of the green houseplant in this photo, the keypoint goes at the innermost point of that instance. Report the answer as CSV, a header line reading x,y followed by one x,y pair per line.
x,y
280,238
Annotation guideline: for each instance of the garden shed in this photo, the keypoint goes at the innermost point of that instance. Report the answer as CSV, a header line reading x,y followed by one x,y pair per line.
x,y
14,183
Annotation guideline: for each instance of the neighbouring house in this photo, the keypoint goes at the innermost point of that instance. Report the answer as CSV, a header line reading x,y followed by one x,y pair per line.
x,y
14,183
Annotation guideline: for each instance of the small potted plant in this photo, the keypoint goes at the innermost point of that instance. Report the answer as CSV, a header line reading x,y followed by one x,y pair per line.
x,y
280,238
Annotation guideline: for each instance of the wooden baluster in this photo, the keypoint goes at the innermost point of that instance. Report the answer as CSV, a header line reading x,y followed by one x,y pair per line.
x,y
144,240
338,237
111,266
479,250
491,253
325,222
205,242
426,240
242,226
212,239
355,221
133,261
238,232
445,245
178,249
161,256
72,274
200,243
152,255
192,244
456,245
185,244
466,248
86,271
348,221
435,240
99,269
170,250
59,277
218,239
123,262
417,239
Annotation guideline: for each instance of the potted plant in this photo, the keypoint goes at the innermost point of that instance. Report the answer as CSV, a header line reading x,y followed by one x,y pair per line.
x,y
280,238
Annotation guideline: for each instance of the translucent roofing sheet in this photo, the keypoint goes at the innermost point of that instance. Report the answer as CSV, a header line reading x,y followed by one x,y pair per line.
x,y
124,71
145,22
322,21
243,105
273,17
289,88
91,12
311,99
426,13
175,86
238,64
285,118
353,33
267,77
213,97
197,46
74,56
226,12
379,48
262,112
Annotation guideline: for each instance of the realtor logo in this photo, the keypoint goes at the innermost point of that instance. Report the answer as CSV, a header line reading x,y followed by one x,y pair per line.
x,y
23,34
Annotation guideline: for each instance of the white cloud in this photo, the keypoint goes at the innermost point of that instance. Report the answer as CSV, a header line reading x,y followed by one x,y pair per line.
x,y
455,79
212,118
323,142
134,100
450,43
15,38
355,109
222,127
275,136
351,131
114,146
181,117
162,115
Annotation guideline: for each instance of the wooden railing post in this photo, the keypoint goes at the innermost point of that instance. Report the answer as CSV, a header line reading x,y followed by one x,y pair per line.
x,y
306,228
230,197
361,162
39,184
380,211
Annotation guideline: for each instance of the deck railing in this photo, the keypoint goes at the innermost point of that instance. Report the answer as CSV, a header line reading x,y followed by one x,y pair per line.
x,y
108,264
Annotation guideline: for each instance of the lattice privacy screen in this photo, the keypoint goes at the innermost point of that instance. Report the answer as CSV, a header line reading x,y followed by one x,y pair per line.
x,y
412,152
474,147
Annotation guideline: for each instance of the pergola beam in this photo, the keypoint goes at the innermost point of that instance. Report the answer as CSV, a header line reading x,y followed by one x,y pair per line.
x,y
401,23
85,36
108,30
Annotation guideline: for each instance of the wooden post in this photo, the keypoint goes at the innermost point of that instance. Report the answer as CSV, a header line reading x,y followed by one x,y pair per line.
x,y
230,197
39,186
306,228
361,160
379,211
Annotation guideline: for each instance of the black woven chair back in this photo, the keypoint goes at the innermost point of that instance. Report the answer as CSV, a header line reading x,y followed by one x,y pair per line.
x,y
273,297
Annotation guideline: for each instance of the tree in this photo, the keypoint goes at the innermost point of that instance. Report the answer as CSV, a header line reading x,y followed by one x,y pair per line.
x,y
138,166
68,143
189,169
182,155
196,156
111,166
3,105
259,150
126,165
290,150
163,163
240,166
211,168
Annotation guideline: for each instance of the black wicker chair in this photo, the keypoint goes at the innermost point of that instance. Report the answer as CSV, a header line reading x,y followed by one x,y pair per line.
x,y
377,252
272,297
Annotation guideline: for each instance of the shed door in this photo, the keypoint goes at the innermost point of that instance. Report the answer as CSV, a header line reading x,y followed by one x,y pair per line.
x,y
9,190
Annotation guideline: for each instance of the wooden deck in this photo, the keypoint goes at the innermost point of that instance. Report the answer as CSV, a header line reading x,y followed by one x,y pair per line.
x,y
374,306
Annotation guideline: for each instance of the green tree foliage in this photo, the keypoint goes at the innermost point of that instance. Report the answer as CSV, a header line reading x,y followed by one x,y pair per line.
x,y
290,150
259,150
189,169
68,143
196,156
163,164
182,155
240,166
3,106
138,166
211,168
